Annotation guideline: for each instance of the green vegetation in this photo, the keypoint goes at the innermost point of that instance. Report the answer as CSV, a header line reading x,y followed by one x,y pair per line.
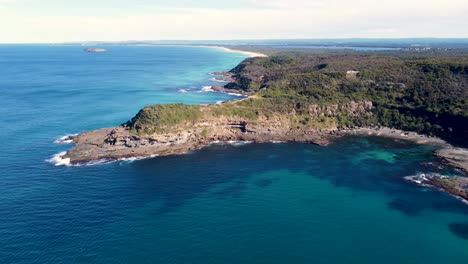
x,y
159,117
423,93
204,132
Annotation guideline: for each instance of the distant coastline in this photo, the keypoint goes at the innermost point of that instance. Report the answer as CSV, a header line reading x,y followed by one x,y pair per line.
x,y
248,53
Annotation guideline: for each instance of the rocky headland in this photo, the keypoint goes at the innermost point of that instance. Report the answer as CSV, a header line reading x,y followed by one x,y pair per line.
x,y
301,99
203,125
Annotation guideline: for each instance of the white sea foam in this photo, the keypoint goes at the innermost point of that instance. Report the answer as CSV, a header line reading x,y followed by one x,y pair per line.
x,y
277,141
58,159
183,91
67,139
238,143
95,162
230,142
461,199
236,94
218,80
108,161
207,89
132,159
419,178
422,179
219,102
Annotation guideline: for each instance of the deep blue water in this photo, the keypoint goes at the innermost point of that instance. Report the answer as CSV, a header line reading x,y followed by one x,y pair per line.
x,y
252,203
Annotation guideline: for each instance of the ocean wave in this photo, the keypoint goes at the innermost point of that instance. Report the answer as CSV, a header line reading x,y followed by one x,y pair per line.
x,y
238,143
183,91
218,80
67,139
236,94
58,160
230,142
422,179
95,162
207,89
132,159
461,199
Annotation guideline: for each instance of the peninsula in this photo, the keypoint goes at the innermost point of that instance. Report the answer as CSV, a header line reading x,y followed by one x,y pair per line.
x,y
308,97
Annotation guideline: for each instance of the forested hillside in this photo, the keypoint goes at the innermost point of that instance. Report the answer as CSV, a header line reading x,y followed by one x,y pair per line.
x,y
423,94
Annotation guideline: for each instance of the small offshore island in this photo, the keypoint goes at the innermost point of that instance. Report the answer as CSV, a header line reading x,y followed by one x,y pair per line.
x,y
314,97
95,50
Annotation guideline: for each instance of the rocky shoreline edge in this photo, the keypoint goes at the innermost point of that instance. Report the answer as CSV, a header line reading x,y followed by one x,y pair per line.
x,y
118,143
456,157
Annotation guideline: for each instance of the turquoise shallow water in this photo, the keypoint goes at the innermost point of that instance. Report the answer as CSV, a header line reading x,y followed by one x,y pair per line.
x,y
251,203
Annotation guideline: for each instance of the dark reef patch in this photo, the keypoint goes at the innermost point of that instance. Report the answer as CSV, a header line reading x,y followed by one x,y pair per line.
x,y
407,207
234,190
264,182
459,229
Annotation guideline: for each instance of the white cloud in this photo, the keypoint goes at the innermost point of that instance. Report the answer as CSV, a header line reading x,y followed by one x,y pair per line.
x,y
279,19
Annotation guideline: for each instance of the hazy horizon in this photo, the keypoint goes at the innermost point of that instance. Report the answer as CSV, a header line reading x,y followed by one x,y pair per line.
x,y
253,41
55,21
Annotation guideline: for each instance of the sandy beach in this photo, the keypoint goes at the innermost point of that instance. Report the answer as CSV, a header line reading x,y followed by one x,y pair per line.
x,y
248,53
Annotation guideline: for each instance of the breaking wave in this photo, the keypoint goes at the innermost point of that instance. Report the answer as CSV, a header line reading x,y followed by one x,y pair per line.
x,y
218,80
67,139
207,89
59,160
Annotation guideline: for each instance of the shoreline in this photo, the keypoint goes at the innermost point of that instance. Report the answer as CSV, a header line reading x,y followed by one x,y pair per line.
x,y
174,146
397,134
251,54
94,148
454,156
452,185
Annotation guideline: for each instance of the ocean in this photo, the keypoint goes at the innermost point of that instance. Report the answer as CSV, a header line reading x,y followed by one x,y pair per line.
x,y
233,203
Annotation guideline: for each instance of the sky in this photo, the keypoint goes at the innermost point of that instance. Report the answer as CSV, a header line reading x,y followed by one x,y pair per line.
x,y
52,21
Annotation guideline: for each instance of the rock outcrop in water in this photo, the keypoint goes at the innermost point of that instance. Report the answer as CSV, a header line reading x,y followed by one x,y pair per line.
x,y
94,50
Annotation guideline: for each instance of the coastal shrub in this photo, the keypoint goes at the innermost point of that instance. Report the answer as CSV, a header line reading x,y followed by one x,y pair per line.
x,y
157,117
